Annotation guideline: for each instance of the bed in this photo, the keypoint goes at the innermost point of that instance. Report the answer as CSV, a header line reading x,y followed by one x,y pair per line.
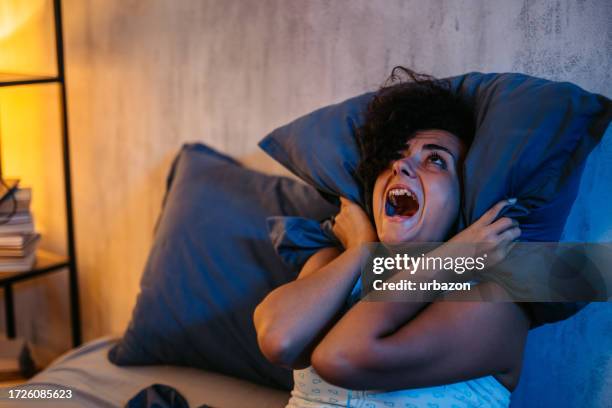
x,y
581,363
95,382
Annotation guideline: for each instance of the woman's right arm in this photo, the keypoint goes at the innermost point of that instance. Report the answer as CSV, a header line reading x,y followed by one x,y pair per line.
x,y
294,317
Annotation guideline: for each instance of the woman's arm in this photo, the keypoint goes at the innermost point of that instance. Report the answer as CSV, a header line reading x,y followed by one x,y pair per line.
x,y
396,345
446,342
293,318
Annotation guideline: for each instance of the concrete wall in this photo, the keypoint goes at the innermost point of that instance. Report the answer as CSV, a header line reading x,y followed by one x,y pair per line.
x,y
146,76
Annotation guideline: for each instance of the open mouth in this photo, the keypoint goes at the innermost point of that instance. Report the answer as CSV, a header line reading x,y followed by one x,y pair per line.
x,y
401,202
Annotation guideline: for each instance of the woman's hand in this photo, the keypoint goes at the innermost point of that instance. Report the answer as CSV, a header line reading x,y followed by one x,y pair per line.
x,y
352,225
491,238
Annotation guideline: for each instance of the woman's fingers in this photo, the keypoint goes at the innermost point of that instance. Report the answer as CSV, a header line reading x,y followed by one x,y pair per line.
x,y
510,234
503,224
489,216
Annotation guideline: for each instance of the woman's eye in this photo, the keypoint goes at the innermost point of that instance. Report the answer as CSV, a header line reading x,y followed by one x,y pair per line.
x,y
436,159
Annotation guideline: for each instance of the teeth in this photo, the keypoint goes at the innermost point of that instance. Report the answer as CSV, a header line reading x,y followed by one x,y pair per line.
x,y
400,201
401,191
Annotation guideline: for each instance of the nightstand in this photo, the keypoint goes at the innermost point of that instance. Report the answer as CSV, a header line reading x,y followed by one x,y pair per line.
x,y
46,262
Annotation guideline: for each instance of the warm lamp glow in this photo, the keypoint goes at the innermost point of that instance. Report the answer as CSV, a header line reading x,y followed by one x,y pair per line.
x,y
31,152
19,131
16,13
27,37
30,115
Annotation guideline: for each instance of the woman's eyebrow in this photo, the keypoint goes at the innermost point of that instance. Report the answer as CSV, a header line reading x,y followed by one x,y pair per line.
x,y
433,146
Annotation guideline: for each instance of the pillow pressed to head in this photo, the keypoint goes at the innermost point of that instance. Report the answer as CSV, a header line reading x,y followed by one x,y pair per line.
x,y
532,139
321,149
532,136
211,263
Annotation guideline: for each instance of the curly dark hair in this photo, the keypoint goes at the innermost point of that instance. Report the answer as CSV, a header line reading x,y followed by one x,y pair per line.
x,y
406,103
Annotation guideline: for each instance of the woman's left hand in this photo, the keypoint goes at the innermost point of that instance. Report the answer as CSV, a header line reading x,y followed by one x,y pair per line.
x,y
352,225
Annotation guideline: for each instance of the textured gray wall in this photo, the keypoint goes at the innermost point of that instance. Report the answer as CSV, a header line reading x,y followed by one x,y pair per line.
x,y
145,76
255,64
272,60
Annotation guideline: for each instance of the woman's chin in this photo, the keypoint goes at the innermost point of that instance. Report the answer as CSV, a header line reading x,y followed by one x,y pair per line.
x,y
391,234
391,240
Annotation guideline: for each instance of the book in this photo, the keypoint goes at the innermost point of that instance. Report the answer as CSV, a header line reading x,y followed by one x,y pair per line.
x,y
17,228
16,241
18,218
21,202
30,246
18,264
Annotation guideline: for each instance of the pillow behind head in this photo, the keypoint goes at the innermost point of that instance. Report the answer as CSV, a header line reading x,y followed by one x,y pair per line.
x,y
532,137
211,263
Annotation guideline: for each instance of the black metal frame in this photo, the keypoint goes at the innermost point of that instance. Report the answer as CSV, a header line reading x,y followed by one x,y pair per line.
x,y
70,262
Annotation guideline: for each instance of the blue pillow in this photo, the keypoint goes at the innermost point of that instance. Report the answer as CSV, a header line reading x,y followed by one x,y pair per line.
x,y
321,149
532,139
296,239
211,263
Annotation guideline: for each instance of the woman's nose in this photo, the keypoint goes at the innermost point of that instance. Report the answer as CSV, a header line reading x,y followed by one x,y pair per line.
x,y
404,167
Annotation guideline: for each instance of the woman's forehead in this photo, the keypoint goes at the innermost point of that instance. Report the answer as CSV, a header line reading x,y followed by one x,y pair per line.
x,y
438,137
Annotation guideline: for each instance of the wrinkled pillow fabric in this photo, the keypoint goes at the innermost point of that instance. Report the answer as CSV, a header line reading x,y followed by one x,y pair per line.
x,y
211,263
532,139
295,239
321,149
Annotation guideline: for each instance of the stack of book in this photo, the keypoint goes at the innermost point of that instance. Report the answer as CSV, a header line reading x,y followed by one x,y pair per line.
x,y
18,239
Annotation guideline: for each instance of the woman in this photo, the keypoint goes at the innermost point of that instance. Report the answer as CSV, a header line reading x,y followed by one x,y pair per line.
x,y
415,136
